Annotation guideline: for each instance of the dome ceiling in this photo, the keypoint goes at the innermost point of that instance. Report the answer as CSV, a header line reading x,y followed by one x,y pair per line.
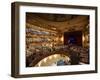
x,y
57,22
55,17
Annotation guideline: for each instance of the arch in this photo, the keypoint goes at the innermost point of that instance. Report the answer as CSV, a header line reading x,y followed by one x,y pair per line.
x,y
41,57
52,60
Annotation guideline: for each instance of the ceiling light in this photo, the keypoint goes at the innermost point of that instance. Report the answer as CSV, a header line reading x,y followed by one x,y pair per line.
x,y
50,57
62,38
55,55
45,60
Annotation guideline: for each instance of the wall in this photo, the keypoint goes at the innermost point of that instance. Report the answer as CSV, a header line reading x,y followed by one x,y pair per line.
x,y
5,40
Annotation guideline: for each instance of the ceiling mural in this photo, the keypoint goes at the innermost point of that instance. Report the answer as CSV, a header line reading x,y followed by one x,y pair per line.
x,y
58,22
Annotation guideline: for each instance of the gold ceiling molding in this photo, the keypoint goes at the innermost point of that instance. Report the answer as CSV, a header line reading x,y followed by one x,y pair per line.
x,y
76,23
55,17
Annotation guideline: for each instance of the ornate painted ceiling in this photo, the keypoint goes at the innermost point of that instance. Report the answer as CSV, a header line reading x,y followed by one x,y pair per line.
x,y
58,22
